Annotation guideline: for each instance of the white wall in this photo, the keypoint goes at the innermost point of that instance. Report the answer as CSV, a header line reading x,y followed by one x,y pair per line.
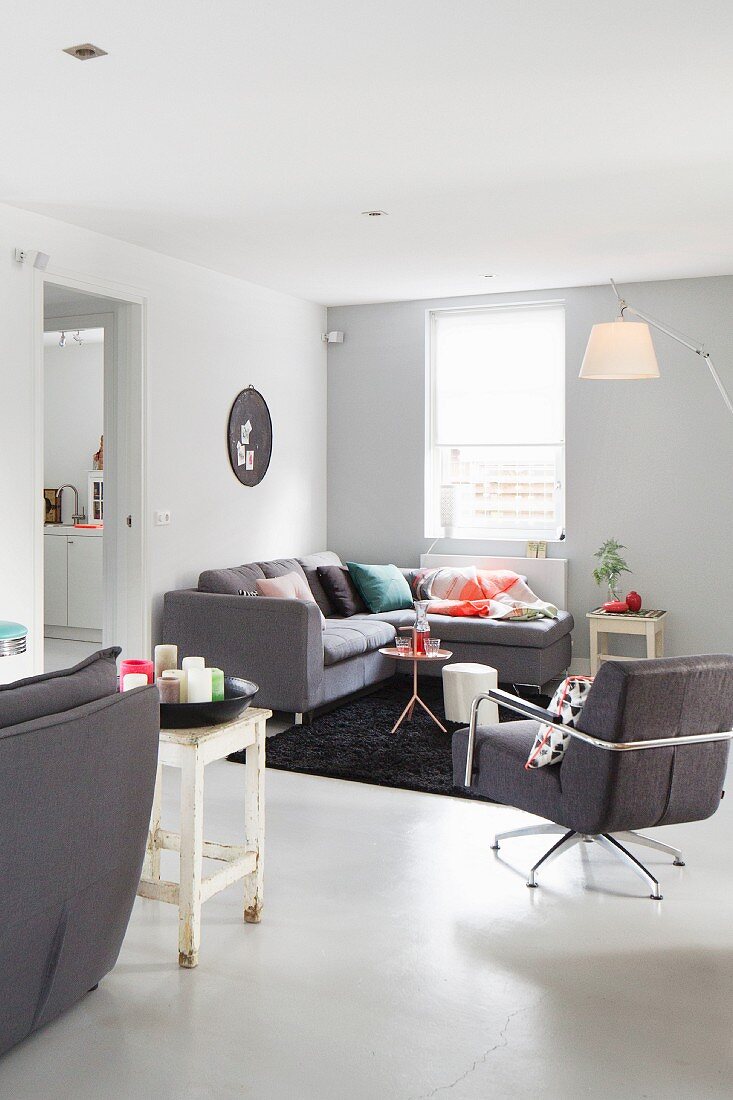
x,y
208,336
647,462
73,416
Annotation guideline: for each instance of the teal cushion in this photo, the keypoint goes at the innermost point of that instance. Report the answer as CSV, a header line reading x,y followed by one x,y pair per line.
x,y
382,587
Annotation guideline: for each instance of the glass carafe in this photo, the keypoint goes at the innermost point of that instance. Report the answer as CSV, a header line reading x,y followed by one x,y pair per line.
x,y
421,629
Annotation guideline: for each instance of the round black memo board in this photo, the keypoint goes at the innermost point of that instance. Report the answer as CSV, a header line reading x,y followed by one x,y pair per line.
x,y
249,437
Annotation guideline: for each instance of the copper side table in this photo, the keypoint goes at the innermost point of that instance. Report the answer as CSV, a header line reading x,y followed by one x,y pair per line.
x,y
417,659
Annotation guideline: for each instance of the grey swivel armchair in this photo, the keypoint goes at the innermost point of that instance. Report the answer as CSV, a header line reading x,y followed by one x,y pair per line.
x,y
650,748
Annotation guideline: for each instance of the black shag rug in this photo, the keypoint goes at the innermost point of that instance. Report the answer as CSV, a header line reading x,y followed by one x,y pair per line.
x,y
355,742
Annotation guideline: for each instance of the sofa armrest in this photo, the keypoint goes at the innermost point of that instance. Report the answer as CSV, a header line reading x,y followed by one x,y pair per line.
x,y
274,642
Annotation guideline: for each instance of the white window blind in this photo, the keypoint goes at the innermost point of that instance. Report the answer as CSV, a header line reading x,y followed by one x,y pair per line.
x,y
495,461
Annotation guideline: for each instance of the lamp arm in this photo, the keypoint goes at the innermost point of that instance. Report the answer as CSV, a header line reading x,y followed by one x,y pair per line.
x,y
681,339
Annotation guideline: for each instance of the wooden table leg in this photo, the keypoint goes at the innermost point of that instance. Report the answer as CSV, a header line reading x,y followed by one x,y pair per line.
x,y
151,863
254,823
192,853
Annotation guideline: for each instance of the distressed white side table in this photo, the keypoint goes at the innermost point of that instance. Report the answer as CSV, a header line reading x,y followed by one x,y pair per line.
x,y
191,750
602,623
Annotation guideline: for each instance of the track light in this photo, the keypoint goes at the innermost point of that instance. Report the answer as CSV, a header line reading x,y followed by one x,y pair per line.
x,y
77,337
62,340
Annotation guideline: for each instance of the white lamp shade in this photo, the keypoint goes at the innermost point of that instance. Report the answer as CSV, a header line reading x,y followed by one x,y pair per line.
x,y
620,349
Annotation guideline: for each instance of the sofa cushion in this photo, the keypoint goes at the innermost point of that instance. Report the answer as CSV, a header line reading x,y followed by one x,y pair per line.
x,y
279,567
319,593
499,772
536,633
240,578
345,638
382,587
343,595
310,564
53,692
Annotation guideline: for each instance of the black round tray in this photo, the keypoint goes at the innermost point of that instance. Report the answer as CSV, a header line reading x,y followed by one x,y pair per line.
x,y
238,694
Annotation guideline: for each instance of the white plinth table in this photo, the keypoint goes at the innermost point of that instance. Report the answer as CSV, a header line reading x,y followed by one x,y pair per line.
x,y
191,750
461,684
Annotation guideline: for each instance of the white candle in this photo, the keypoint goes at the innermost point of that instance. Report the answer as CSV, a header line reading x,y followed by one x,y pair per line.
x,y
165,656
199,685
182,677
134,680
192,662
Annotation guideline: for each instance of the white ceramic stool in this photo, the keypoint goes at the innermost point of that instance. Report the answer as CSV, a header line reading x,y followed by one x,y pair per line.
x,y
461,684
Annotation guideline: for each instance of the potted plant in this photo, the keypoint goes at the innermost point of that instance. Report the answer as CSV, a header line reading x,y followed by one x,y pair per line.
x,y
610,566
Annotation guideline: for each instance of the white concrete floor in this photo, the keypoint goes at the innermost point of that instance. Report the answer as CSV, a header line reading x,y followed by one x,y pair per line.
x,y
59,653
400,958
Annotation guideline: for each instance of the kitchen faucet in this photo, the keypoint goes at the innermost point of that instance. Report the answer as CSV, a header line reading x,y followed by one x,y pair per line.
x,y
76,517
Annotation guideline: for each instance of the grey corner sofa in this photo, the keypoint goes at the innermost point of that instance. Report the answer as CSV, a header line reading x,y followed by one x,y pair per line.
x,y
300,666
77,772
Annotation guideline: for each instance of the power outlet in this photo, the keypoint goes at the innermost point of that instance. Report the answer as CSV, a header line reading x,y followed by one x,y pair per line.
x,y
163,518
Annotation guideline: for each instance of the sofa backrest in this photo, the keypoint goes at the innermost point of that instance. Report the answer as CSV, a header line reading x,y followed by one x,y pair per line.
x,y
53,692
641,701
243,578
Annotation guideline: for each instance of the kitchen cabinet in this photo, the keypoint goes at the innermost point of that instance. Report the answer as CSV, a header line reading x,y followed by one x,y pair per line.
x,y
73,589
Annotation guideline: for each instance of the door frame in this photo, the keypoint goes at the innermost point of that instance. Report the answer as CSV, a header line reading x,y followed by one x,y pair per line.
x,y
127,618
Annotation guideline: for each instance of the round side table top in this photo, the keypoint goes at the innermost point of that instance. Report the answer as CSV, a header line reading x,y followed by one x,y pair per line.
x,y
441,655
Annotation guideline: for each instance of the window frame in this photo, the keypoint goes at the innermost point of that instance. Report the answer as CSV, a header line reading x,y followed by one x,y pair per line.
x,y
432,527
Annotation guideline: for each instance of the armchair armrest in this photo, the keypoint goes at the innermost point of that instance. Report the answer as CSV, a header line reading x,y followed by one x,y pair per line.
x,y
530,710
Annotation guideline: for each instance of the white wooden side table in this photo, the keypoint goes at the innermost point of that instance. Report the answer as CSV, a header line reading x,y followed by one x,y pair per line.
x,y
191,750
650,624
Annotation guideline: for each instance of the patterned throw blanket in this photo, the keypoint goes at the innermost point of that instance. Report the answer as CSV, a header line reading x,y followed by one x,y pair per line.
x,y
479,593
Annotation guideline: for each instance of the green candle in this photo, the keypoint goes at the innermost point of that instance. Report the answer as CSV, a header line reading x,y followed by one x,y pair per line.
x,y
217,684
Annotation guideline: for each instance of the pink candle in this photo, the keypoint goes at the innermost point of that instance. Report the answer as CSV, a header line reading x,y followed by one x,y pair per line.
x,y
147,668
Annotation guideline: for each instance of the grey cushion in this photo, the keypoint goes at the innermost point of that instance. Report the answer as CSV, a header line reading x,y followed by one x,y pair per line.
x,y
319,593
537,634
279,567
54,692
306,566
404,617
499,774
344,638
230,581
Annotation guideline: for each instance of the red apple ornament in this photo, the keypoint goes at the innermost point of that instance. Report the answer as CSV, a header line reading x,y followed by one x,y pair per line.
x,y
633,601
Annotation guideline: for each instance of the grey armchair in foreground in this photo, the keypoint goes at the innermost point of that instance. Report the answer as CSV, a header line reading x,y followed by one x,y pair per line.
x,y
650,748
76,788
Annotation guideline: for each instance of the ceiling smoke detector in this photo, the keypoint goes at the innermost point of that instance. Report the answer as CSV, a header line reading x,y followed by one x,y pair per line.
x,y
375,213
85,52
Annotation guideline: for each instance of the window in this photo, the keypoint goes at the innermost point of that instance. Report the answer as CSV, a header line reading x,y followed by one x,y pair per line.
x,y
496,422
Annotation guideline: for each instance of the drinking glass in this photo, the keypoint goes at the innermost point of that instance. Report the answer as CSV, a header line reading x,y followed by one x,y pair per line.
x,y
403,643
432,647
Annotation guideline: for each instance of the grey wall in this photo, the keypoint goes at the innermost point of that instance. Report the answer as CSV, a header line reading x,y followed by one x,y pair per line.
x,y
647,462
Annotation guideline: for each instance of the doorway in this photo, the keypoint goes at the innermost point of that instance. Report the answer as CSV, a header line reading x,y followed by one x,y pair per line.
x,y
92,588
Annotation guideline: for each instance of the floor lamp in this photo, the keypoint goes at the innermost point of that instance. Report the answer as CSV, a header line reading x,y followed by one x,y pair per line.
x,y
620,349
12,638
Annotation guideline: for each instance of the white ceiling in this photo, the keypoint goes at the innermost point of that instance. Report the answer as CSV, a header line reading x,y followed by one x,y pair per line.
x,y
551,143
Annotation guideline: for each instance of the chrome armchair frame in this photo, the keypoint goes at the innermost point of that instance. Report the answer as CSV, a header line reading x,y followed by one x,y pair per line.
x,y
569,838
